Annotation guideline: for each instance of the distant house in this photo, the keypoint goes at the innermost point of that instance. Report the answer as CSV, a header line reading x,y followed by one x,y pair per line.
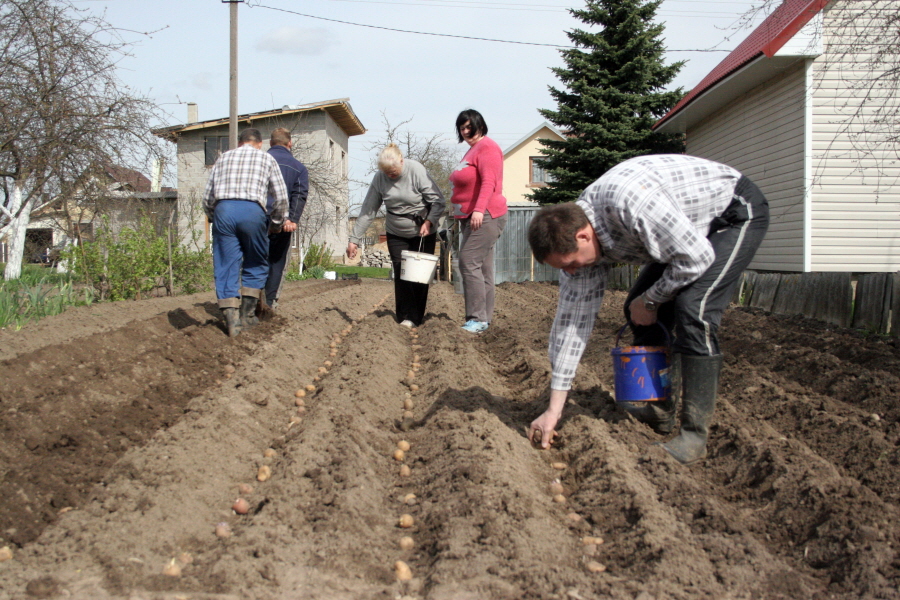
x,y
776,108
523,165
320,133
117,198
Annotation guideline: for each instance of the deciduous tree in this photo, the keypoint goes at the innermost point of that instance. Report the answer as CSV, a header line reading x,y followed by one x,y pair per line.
x,y
66,115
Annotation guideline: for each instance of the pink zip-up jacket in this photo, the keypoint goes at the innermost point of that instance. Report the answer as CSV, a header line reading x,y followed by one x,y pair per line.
x,y
478,181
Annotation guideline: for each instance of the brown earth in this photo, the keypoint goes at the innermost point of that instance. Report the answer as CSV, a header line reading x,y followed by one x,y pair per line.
x,y
125,438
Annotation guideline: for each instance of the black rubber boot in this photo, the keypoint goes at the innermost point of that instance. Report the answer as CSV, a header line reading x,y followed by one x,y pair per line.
x,y
232,321
248,312
700,377
660,416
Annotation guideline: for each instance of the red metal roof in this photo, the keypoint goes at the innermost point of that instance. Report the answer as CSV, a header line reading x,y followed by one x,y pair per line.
x,y
768,38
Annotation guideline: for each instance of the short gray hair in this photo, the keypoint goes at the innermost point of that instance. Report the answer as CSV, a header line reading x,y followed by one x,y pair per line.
x,y
390,157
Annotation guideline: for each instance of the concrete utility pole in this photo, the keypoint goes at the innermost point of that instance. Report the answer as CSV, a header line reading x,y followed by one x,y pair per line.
x,y
233,89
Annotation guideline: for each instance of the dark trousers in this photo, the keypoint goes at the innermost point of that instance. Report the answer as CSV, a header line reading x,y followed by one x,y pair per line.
x,y
695,313
411,297
279,245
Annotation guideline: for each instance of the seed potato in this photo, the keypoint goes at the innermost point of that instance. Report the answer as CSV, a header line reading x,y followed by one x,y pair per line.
x,y
223,530
172,569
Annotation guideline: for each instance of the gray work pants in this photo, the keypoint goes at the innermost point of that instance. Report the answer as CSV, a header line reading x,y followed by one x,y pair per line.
x,y
476,265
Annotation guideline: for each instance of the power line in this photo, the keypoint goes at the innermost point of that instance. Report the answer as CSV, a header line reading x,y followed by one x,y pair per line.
x,y
450,35
465,37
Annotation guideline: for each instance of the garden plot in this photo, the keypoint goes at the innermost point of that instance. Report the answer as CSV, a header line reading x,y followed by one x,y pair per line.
x,y
130,429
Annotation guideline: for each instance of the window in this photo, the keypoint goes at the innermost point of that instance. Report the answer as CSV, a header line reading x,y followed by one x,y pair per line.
x,y
83,232
215,145
539,176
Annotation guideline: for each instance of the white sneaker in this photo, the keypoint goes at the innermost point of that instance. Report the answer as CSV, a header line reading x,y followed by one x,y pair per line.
x,y
408,323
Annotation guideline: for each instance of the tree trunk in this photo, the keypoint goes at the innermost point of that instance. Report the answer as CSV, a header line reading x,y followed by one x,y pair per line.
x,y
16,232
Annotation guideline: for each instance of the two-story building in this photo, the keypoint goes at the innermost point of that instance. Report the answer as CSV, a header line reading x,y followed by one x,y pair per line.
x,y
320,132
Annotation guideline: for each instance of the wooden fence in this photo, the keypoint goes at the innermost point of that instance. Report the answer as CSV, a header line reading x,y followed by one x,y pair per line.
x,y
868,301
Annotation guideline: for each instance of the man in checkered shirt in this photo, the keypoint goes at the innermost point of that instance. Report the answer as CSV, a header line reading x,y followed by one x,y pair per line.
x,y
235,201
695,224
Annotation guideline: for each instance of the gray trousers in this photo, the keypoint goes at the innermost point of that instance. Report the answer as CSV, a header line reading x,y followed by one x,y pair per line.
x,y
476,265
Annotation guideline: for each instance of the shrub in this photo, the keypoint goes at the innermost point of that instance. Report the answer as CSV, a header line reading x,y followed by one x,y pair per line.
x,y
319,255
136,261
316,272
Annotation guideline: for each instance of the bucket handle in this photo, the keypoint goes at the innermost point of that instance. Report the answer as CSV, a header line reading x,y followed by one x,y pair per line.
x,y
663,327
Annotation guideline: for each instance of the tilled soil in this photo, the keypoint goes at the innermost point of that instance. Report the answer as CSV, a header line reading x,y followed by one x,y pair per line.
x,y
127,429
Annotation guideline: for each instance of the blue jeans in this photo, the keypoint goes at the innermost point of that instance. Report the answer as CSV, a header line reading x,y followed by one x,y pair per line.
x,y
240,250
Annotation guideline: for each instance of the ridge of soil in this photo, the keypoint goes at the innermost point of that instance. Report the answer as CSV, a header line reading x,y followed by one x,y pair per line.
x,y
128,427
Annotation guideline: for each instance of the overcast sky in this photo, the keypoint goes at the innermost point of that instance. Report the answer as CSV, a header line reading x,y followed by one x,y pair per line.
x,y
286,58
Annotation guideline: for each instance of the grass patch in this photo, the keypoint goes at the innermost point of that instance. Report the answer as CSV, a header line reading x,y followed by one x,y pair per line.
x,y
40,292
370,272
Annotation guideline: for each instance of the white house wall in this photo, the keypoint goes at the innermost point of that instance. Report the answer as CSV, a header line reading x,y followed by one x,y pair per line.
x,y
762,135
856,194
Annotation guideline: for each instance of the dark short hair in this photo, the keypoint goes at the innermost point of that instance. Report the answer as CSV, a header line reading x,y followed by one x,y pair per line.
x,y
251,134
553,228
475,120
280,137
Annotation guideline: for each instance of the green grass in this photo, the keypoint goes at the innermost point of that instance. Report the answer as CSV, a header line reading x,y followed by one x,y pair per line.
x,y
39,292
370,272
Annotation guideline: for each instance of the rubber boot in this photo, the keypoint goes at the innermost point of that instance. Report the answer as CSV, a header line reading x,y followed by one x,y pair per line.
x,y
232,321
700,383
248,312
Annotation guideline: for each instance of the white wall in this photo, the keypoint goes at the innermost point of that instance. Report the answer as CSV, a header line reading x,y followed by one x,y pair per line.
x,y
855,194
762,135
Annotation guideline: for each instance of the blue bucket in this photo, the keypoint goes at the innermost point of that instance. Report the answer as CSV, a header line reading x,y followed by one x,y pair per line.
x,y
641,372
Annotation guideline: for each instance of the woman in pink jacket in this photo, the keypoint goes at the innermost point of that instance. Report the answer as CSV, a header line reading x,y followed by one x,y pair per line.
x,y
479,204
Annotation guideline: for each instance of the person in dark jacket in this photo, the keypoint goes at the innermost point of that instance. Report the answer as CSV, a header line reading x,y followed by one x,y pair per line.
x,y
296,179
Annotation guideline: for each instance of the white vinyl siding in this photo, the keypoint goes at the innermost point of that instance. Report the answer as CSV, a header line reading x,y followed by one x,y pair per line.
x,y
855,217
762,135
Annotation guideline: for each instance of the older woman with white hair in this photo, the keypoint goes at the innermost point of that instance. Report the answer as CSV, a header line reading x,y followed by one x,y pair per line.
x,y
414,203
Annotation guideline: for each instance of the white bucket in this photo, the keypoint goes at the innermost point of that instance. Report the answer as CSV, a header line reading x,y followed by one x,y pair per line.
x,y
330,274
417,267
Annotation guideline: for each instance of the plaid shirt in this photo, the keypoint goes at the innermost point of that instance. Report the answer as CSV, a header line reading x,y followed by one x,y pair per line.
x,y
655,208
246,173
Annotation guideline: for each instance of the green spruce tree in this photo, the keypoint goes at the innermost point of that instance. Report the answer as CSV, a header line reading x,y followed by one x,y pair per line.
x,y
614,92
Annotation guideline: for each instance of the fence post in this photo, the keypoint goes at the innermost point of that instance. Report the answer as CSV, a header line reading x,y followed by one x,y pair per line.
x,y
895,305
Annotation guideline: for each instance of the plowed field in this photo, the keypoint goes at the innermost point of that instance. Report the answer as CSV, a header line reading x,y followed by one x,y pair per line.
x,y
128,428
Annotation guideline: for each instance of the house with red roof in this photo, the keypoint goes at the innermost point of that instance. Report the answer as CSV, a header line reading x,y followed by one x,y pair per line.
x,y
795,107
